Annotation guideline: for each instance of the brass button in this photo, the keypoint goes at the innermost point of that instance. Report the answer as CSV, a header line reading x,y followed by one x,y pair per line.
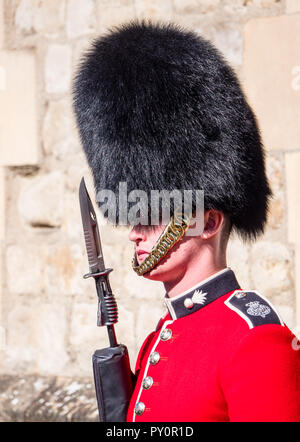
x,y
166,334
147,382
154,358
240,295
139,408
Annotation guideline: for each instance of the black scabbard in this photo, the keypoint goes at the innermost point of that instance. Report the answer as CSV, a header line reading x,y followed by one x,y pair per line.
x,y
113,382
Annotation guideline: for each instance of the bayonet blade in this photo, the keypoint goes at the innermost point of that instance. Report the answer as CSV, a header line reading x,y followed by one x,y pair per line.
x,y
91,231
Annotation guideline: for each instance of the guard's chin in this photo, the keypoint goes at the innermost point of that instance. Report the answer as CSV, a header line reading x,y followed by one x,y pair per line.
x,y
156,274
152,276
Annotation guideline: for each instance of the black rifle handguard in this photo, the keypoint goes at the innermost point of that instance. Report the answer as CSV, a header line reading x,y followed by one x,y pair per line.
x,y
114,382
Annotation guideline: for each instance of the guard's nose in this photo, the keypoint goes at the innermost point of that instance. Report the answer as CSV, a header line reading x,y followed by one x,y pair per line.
x,y
137,234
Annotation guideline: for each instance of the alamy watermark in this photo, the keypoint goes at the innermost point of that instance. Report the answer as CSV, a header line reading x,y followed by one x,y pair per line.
x,y
136,207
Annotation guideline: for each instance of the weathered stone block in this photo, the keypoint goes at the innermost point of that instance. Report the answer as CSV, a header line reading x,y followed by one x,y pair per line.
x,y
287,314
58,68
50,338
275,174
24,15
142,288
18,109
2,238
2,205
229,42
259,3
125,327
80,47
155,9
34,16
238,261
36,339
1,23
55,270
40,202
59,131
271,271
78,169
292,167
268,3
72,223
80,17
297,282
49,16
272,78
36,398
292,6
274,168
114,13
85,336
195,6
276,211
20,343
30,280
113,254
65,265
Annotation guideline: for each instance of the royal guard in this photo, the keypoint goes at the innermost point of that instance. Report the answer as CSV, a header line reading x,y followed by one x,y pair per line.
x,y
159,109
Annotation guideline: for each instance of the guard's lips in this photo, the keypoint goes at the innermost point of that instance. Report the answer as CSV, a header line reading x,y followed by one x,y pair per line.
x,y
141,252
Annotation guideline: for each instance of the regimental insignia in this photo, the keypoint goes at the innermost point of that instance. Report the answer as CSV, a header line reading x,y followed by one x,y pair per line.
x,y
257,309
199,297
253,308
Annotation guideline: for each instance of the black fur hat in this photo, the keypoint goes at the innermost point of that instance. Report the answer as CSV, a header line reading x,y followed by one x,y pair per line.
x,y
158,107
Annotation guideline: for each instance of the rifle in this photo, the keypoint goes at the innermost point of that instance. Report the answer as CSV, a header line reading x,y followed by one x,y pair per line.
x,y
111,367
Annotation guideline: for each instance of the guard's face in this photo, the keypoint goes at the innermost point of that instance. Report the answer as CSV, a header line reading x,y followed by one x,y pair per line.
x,y
173,263
144,238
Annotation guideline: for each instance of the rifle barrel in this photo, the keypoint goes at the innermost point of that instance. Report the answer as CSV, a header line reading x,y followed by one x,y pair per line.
x,y
112,336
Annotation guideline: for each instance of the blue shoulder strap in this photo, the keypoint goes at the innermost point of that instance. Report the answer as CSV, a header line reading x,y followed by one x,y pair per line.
x,y
253,308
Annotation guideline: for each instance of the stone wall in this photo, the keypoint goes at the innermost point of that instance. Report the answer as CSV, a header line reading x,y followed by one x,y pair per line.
x,y
47,311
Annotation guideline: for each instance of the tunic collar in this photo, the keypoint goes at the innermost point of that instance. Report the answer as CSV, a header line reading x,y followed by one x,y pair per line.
x,y
202,294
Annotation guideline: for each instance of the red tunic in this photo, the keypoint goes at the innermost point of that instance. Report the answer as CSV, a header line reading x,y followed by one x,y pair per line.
x,y
217,361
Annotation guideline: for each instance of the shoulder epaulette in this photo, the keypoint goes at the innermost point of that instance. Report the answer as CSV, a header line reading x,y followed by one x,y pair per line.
x,y
253,308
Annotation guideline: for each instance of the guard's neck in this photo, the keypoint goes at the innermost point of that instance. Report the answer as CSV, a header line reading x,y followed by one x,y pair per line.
x,y
194,272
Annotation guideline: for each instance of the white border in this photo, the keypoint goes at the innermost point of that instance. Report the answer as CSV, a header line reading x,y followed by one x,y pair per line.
x,y
239,312
147,366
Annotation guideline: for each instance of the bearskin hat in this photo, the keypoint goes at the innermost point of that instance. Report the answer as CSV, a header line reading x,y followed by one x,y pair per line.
x,y
158,107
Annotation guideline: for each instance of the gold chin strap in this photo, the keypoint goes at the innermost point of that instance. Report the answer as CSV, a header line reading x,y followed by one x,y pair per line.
x,y
173,232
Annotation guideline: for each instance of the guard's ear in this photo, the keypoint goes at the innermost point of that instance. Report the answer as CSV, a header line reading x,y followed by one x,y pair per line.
x,y
213,220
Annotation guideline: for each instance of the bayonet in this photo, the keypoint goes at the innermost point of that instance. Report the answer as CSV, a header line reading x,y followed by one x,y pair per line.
x,y
107,306
91,231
